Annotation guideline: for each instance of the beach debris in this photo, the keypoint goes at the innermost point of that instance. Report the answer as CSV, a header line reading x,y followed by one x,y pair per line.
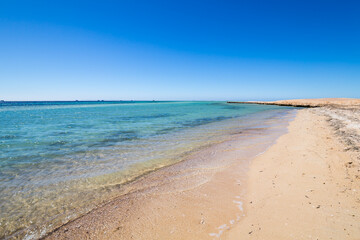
x,y
349,164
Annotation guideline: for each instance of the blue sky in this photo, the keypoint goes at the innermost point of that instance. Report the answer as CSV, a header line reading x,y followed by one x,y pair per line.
x,y
179,50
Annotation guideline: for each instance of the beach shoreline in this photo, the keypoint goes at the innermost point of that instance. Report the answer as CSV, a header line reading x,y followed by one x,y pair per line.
x,y
200,197
62,160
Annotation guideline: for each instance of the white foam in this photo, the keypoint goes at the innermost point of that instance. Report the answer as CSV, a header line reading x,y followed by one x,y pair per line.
x,y
222,228
239,204
217,235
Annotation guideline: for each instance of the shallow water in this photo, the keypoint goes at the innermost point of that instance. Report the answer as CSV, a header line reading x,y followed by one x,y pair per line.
x,y
59,160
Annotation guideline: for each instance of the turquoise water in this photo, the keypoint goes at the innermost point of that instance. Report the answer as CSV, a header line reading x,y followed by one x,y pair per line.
x,y
59,160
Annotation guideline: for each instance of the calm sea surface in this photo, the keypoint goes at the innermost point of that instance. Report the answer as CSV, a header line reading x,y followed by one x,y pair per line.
x,y
59,160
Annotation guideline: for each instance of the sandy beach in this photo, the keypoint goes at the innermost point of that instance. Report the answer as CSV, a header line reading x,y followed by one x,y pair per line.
x,y
177,120
305,186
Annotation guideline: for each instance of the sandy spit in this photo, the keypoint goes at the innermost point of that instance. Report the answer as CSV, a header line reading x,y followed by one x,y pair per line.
x,y
318,102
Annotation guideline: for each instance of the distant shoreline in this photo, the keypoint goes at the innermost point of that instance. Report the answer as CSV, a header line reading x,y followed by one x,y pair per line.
x,y
309,103
272,103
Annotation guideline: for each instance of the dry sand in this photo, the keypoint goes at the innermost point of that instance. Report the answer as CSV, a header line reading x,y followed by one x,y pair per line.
x,y
321,102
306,186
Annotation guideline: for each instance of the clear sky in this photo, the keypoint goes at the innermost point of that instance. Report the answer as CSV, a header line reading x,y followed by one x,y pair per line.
x,y
179,50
